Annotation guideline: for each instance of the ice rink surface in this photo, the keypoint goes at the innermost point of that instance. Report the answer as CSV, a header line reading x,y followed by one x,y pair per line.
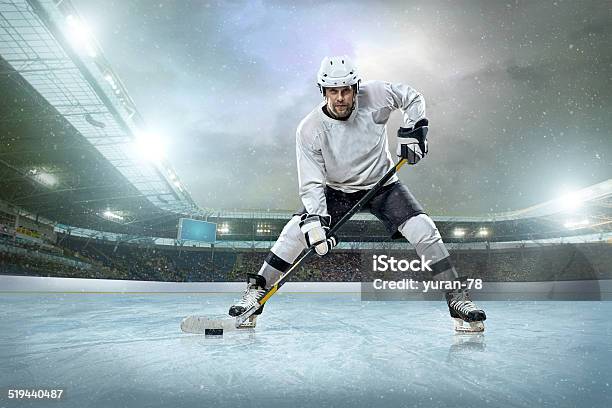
x,y
308,350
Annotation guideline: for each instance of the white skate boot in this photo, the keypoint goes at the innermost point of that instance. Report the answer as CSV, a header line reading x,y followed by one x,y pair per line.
x,y
256,288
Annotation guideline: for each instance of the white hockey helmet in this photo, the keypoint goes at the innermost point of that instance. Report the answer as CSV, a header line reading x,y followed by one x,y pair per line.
x,y
337,71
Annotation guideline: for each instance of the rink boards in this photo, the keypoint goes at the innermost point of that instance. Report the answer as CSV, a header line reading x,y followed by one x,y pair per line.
x,y
552,290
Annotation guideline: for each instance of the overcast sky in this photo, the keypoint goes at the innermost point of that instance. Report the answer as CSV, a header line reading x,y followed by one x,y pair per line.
x,y
519,94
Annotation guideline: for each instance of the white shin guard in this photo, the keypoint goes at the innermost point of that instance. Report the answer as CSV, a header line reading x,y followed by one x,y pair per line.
x,y
422,233
270,273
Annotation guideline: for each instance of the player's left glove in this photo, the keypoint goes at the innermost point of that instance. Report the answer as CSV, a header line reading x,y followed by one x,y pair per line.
x,y
412,142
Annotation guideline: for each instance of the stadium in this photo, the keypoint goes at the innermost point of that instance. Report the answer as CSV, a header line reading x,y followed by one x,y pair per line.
x,y
103,250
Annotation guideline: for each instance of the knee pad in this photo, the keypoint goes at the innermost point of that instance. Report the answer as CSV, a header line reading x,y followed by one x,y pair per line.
x,y
422,233
291,241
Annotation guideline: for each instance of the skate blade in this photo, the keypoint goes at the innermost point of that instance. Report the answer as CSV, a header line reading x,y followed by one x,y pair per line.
x,y
203,324
250,323
468,327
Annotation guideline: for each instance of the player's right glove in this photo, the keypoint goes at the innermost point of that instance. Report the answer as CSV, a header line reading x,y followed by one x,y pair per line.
x,y
316,231
412,142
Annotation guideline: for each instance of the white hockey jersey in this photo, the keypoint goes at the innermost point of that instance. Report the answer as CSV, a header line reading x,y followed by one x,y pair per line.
x,y
351,155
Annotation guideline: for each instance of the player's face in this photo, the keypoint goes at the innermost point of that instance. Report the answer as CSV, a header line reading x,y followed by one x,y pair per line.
x,y
340,101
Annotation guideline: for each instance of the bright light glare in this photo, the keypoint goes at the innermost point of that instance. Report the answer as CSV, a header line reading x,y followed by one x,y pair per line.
x,y
111,215
80,35
223,229
44,178
109,78
483,232
570,201
459,232
150,146
576,224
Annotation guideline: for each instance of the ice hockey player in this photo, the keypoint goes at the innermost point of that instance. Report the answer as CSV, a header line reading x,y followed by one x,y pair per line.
x,y
342,151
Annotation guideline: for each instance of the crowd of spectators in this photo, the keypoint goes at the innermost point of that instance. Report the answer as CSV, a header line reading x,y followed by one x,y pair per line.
x,y
91,258
338,266
33,263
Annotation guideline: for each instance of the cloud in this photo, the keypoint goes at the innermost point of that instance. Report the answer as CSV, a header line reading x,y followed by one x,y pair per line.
x,y
512,89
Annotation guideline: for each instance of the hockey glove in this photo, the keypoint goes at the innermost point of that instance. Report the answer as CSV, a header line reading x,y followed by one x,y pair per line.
x,y
412,142
316,231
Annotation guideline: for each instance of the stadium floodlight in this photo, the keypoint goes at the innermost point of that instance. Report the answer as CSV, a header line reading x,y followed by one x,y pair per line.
x,y
112,215
150,146
178,185
109,78
570,201
223,229
459,232
43,177
576,224
483,232
80,35
263,229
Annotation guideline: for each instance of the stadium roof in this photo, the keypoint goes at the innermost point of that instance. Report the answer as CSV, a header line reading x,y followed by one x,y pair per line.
x,y
69,128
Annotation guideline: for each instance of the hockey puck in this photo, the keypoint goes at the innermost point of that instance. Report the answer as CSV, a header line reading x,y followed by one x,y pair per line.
x,y
213,332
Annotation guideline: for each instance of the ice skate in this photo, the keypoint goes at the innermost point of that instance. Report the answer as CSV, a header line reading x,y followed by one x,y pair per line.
x,y
256,289
466,316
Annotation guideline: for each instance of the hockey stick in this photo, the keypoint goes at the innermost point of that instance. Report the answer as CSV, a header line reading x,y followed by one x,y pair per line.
x,y
247,320
240,320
